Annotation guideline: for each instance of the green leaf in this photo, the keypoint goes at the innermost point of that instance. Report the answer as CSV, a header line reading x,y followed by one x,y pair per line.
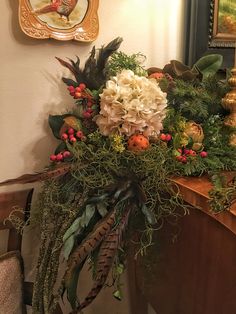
x,y
73,229
88,214
62,146
56,122
209,65
68,246
118,295
102,209
77,226
151,218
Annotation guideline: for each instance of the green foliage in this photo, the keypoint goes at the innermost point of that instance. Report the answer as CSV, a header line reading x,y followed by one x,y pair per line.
x,y
223,194
120,60
197,101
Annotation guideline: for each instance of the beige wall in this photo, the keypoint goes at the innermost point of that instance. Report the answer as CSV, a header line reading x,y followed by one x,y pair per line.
x,y
30,86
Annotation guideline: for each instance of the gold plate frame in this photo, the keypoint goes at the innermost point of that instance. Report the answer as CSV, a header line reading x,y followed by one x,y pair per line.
x,y
223,23
83,29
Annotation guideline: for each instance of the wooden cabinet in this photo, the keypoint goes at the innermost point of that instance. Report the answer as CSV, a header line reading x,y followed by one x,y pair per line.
x,y
191,269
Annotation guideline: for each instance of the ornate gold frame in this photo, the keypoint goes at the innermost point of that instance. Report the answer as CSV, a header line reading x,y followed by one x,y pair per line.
x,y
219,39
85,31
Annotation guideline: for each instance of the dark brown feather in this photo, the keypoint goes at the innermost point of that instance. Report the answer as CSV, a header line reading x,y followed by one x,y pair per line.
x,y
67,65
41,176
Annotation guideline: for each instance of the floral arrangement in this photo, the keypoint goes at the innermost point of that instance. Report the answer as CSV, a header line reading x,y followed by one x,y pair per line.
x,y
130,131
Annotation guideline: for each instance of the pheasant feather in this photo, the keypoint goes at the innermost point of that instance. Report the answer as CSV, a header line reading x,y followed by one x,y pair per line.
x,y
105,260
91,242
41,176
94,72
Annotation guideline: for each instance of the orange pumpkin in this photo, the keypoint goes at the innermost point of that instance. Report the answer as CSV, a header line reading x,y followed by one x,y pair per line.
x,y
138,142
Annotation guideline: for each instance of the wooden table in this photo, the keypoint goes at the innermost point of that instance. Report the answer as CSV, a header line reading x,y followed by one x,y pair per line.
x,y
191,269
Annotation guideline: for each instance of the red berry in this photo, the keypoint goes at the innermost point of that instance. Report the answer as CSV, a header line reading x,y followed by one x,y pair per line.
x,y
186,151
64,137
86,114
73,139
59,157
71,131
203,154
82,86
168,137
180,150
90,110
53,157
77,95
157,75
179,158
66,154
77,89
71,89
184,159
192,152
79,134
163,137
89,104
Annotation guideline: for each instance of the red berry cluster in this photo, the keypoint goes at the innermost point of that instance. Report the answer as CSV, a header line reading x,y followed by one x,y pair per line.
x,y
73,136
165,137
77,92
60,156
185,153
84,98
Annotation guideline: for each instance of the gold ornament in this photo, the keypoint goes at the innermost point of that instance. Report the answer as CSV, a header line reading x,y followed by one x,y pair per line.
x,y
229,103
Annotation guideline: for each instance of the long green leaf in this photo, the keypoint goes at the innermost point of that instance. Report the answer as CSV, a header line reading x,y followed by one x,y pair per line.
x,y
77,226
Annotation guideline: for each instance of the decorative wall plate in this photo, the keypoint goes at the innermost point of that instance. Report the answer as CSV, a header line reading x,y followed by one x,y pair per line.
x,y
59,19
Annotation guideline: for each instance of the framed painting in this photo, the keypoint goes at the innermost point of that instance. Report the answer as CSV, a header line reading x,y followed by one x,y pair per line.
x,y
206,31
60,19
223,23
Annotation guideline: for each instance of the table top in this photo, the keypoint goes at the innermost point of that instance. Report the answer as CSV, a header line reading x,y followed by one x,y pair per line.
x,y
194,191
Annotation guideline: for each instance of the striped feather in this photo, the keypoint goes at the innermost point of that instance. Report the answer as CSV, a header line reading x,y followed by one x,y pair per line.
x,y
105,260
91,242
60,170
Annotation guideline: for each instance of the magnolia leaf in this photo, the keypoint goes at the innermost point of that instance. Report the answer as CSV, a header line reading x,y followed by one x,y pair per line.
x,y
209,65
150,216
102,209
55,123
73,122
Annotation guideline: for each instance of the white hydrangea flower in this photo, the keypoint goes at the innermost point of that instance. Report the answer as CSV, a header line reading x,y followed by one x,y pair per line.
x,y
131,103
